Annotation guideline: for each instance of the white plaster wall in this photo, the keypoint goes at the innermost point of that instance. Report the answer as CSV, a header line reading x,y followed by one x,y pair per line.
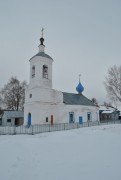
x,y
60,112
12,121
38,80
5,123
39,112
43,95
41,48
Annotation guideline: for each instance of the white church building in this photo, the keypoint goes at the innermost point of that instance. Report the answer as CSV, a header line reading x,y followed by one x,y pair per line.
x,y
44,105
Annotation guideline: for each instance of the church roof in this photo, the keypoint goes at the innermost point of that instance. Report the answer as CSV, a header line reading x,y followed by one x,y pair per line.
x,y
42,54
13,114
76,99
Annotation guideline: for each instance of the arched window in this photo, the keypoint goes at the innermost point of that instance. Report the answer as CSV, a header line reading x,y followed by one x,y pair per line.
x,y
45,71
33,71
30,95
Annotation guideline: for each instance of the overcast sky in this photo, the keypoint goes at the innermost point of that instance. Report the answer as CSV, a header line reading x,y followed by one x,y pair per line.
x,y
82,36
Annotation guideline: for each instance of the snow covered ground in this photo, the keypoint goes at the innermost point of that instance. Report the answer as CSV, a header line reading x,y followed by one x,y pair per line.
x,y
91,153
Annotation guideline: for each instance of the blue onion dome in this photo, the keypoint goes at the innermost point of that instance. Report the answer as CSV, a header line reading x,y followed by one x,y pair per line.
x,y
80,88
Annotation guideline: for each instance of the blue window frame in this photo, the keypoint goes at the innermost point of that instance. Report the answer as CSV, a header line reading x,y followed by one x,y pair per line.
x,y
71,117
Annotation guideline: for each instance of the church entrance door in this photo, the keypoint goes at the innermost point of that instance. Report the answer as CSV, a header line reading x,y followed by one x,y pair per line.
x,y
29,119
52,119
80,120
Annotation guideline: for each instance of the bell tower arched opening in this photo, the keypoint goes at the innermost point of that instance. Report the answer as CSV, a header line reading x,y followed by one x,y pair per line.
x,y
45,71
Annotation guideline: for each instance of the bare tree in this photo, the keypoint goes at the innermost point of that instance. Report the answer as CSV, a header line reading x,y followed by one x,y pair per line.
x,y
113,83
94,100
107,103
13,94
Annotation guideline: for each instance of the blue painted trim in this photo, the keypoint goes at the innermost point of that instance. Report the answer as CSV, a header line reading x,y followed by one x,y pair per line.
x,y
80,120
71,122
29,120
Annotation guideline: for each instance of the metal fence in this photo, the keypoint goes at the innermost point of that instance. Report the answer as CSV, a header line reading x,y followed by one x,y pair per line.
x,y
35,129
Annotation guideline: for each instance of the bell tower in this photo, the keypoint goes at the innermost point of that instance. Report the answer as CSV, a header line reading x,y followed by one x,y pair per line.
x,y
41,67
40,98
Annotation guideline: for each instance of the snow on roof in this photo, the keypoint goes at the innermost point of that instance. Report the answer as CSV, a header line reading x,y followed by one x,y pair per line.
x,y
105,108
14,114
42,54
107,112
